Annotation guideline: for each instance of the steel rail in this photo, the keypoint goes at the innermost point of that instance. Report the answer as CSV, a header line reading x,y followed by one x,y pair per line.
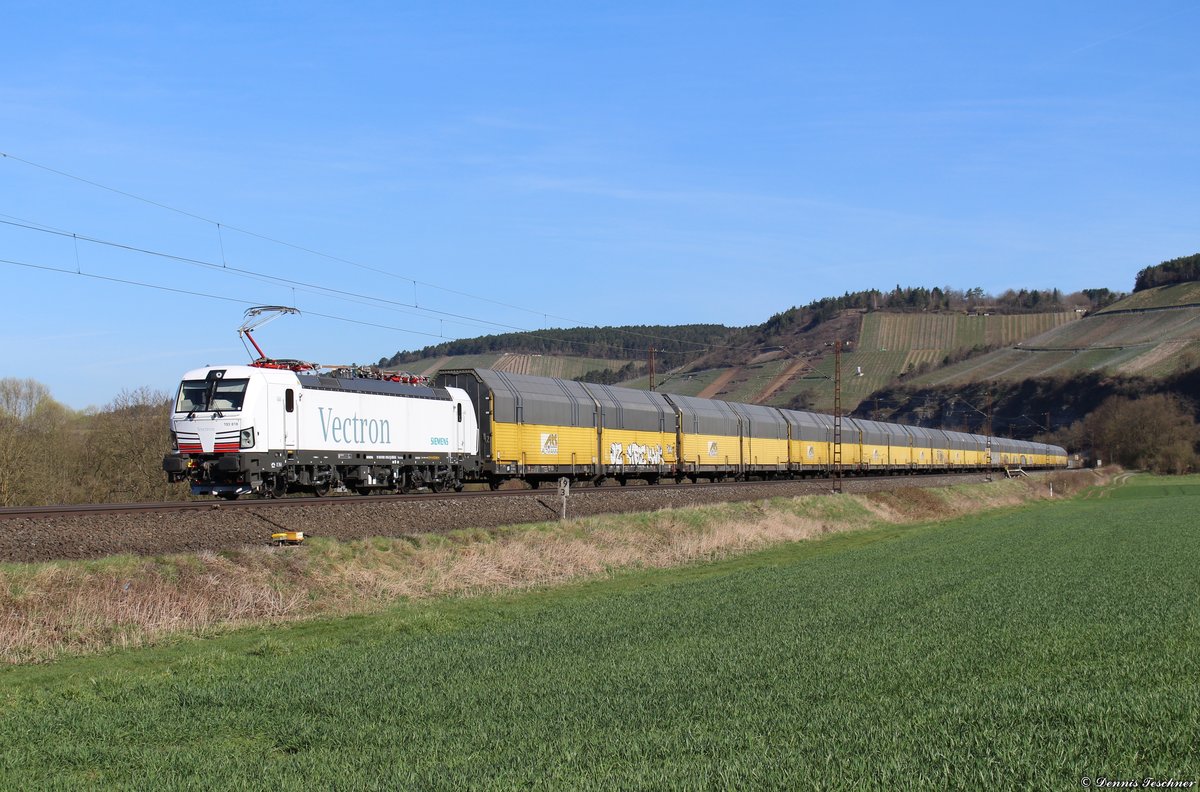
x,y
305,501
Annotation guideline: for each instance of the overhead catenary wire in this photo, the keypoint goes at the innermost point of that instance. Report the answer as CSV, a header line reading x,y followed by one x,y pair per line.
x,y
256,276
192,293
273,240
315,288
355,297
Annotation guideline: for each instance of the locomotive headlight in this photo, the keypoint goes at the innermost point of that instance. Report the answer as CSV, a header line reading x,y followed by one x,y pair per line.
x,y
247,438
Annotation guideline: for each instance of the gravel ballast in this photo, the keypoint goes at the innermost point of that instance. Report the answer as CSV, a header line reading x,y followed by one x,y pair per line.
x,y
223,527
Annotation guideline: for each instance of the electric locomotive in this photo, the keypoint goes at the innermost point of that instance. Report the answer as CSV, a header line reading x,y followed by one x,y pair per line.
x,y
271,428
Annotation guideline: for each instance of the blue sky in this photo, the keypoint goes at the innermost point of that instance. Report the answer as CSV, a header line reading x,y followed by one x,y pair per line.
x,y
618,163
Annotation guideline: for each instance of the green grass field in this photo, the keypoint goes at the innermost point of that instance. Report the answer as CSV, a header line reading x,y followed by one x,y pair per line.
x,y
1022,649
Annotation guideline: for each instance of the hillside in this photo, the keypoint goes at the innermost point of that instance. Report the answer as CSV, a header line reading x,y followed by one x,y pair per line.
x,y
788,360
880,347
1179,295
792,365
892,345
1024,408
1142,334
674,344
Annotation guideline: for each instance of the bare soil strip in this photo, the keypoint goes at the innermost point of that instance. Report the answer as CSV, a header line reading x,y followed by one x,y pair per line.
x,y
720,382
783,379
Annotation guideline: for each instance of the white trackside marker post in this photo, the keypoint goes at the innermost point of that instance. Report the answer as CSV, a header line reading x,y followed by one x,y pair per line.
x,y
564,489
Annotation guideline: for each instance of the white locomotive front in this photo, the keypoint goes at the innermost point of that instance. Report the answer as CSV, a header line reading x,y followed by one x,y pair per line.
x,y
269,429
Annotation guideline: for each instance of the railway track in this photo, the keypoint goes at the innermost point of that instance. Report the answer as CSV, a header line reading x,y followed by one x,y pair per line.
x,y
44,533
74,510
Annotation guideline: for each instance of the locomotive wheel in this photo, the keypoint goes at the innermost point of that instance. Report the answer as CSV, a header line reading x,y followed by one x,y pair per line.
x,y
277,487
228,495
321,489
363,490
437,485
457,485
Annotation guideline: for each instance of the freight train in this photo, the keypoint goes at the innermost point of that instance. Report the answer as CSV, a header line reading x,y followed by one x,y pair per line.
x,y
270,428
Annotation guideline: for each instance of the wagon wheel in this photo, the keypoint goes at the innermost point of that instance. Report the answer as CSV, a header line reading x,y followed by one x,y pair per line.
x,y
320,488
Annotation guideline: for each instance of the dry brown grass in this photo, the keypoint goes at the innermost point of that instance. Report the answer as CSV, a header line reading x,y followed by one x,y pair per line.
x,y
75,607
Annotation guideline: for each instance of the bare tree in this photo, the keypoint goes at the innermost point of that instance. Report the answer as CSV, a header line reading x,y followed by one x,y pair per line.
x,y
31,425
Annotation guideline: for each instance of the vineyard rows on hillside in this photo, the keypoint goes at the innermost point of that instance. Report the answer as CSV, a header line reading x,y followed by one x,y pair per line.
x,y
1155,343
891,331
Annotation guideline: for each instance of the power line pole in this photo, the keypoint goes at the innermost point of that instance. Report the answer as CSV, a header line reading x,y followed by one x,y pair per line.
x,y
837,416
651,368
988,432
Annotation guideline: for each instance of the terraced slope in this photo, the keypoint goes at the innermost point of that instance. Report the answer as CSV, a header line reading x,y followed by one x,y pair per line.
x,y
945,332
894,343
690,383
1179,295
1152,342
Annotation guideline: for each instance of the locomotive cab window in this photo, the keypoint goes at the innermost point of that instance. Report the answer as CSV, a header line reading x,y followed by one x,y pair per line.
x,y
211,395
289,400
459,412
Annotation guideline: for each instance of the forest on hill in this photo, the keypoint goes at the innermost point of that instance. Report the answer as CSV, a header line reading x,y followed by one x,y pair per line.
x,y
914,299
673,344
1178,270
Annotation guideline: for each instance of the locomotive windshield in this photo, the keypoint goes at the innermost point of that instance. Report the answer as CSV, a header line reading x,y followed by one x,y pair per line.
x,y
223,395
